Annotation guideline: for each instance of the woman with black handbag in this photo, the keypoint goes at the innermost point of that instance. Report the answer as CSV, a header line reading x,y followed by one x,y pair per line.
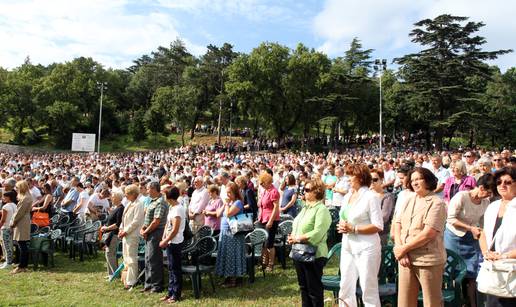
x,y
308,239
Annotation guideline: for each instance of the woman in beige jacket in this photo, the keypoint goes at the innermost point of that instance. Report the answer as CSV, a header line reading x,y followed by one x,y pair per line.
x,y
21,225
129,232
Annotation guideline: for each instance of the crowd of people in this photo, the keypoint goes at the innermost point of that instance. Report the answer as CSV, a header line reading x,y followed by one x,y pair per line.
x,y
422,203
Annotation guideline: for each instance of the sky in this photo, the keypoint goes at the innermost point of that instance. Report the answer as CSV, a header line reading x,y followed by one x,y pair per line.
x,y
116,32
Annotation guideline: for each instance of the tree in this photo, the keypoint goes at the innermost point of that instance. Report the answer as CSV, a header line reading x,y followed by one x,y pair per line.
x,y
438,75
280,83
18,100
62,120
178,103
499,102
137,126
154,121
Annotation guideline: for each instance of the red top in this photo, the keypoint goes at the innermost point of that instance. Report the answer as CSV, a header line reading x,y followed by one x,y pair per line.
x,y
267,199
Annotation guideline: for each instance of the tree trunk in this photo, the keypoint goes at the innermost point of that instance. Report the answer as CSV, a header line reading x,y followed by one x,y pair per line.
x,y
428,138
471,136
182,137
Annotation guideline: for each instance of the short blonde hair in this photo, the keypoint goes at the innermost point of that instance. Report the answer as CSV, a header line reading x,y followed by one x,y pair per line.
x,y
182,186
117,194
461,166
241,180
22,187
132,189
265,178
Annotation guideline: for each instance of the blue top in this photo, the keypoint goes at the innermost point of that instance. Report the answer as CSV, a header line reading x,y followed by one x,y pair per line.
x,y
224,224
287,196
72,195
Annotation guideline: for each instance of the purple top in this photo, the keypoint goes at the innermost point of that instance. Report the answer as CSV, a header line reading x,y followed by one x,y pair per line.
x,y
213,221
467,183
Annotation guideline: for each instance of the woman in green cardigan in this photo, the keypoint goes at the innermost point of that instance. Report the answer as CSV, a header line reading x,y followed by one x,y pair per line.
x,y
311,227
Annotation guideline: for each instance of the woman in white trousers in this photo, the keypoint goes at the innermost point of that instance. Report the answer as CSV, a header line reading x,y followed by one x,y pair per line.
x,y
360,221
132,221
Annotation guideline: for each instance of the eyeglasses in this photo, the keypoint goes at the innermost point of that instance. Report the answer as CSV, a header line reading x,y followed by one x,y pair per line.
x,y
308,190
508,182
467,156
497,160
376,179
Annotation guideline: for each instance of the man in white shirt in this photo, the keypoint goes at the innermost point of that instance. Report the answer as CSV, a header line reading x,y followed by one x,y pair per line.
x,y
389,176
98,204
341,187
198,202
82,202
34,191
441,173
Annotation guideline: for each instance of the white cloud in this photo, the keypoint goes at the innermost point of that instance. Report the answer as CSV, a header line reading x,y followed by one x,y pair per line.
x,y
385,25
254,10
60,30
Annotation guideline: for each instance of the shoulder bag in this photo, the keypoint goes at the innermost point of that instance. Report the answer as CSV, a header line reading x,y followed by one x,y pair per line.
x,y
498,277
303,252
242,222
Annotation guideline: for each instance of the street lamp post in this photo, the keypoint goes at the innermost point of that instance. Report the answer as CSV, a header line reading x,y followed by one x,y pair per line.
x,y
102,86
380,65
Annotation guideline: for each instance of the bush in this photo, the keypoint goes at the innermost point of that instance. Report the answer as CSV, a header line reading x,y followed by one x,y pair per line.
x,y
137,127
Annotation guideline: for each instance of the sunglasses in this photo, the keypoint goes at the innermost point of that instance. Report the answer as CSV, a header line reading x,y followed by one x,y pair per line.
x,y
497,160
467,156
308,189
508,182
376,179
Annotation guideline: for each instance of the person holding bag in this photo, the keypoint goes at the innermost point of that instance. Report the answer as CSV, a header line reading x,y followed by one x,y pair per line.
x,y
231,261
498,242
308,238
40,212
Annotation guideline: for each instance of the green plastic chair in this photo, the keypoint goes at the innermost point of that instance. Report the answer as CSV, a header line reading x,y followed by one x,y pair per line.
x,y
254,244
454,273
36,247
387,277
332,282
333,237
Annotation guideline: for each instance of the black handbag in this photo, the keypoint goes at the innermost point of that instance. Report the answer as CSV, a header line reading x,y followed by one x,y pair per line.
x,y
303,252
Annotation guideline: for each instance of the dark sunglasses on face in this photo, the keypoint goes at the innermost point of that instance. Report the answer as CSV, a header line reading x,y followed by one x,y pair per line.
x,y
376,179
308,189
507,182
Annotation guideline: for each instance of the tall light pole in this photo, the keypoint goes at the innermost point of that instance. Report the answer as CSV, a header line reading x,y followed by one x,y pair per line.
x,y
380,65
102,86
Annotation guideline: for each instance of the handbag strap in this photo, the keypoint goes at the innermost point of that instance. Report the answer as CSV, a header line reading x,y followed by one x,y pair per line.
x,y
495,235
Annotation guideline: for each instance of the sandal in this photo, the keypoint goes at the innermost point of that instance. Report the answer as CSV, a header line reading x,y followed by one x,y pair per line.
x,y
165,298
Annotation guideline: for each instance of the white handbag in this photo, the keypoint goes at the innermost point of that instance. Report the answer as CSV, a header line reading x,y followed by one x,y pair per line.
x,y
498,277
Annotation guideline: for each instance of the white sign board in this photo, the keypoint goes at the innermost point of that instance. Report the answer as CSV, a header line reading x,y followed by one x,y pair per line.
x,y
83,142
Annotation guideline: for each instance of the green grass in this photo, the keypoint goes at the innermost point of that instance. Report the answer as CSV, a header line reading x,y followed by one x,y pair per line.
x,y
74,283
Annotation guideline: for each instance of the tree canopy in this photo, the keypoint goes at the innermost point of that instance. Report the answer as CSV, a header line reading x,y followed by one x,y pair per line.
x,y
273,90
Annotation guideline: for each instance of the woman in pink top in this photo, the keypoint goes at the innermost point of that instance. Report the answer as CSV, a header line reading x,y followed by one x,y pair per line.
x,y
268,217
459,181
211,217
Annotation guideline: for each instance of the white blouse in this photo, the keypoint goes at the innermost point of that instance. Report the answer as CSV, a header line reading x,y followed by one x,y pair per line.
x,y
366,210
505,240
